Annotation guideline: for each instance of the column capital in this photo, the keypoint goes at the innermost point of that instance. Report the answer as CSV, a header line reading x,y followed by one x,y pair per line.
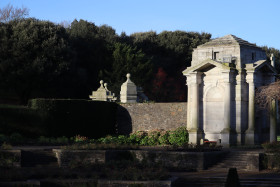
x,y
251,77
194,78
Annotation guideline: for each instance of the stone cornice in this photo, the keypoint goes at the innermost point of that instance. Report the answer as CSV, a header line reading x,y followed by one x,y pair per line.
x,y
205,63
256,66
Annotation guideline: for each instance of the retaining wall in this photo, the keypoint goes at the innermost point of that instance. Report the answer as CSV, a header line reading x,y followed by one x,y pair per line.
x,y
180,161
150,116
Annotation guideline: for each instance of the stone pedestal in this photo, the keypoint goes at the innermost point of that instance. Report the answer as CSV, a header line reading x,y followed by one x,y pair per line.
x,y
128,92
225,137
250,137
195,136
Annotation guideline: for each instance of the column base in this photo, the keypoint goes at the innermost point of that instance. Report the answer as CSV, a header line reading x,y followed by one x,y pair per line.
x,y
250,137
225,137
195,136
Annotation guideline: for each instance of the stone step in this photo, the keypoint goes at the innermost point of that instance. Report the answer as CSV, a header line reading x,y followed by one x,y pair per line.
x,y
221,181
238,159
231,164
38,158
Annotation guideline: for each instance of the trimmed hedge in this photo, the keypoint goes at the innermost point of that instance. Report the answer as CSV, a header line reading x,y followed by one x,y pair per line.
x,y
60,117
19,119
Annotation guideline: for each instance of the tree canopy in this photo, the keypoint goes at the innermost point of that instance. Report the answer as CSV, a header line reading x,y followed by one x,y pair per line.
x,y
43,59
33,55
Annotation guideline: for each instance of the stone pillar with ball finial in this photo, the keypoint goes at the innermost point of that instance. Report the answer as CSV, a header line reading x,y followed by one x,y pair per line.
x,y
128,92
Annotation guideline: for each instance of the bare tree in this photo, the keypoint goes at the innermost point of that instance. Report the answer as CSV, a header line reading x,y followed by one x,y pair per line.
x,y
266,94
9,13
65,24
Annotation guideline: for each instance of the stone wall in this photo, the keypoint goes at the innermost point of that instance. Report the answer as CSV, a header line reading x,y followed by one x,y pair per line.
x,y
180,161
151,116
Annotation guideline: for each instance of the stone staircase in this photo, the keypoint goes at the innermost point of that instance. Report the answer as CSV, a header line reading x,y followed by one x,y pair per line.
x,y
221,181
39,158
234,159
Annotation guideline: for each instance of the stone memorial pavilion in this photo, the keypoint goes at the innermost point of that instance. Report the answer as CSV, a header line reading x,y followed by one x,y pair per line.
x,y
222,80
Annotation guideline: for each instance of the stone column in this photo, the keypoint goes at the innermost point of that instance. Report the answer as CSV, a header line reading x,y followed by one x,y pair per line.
x,y
189,103
194,132
195,106
250,132
273,121
225,133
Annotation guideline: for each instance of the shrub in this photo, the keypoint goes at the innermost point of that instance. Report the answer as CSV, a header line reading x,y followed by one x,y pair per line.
x,y
20,119
144,141
137,136
16,138
273,147
121,139
164,138
3,138
6,146
153,138
80,139
178,137
59,117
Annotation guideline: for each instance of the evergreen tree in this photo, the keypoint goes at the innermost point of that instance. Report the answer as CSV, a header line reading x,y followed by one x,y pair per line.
x,y
33,56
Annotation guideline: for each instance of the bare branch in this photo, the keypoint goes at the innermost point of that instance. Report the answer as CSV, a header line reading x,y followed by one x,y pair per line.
x,y
9,13
65,24
265,94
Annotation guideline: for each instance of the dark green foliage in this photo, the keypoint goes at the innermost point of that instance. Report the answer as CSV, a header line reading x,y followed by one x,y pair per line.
x,y
34,54
128,59
276,53
42,59
179,136
92,52
56,118
7,159
20,121
272,157
171,53
65,117
273,147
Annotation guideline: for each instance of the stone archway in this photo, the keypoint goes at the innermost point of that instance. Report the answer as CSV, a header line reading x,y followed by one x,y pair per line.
x,y
214,113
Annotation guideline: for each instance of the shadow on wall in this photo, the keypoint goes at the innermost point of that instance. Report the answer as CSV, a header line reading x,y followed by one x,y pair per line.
x,y
124,121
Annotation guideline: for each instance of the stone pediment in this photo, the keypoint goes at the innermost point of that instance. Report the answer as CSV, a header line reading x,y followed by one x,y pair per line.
x,y
261,65
206,65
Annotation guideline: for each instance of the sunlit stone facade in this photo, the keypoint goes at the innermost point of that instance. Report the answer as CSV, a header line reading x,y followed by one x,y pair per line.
x,y
221,81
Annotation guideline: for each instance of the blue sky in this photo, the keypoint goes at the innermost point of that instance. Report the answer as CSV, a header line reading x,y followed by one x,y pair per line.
x,y
256,21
